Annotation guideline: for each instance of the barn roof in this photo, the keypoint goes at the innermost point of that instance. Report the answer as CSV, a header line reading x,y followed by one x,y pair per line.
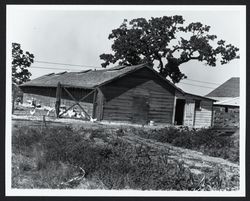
x,y
89,79
230,88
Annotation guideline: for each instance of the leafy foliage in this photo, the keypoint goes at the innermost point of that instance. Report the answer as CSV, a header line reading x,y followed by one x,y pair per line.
x,y
159,39
20,62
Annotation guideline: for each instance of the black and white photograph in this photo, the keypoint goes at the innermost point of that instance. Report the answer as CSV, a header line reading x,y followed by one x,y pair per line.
x,y
135,100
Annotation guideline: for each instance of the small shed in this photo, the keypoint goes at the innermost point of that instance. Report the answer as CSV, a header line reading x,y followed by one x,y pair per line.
x,y
227,105
135,94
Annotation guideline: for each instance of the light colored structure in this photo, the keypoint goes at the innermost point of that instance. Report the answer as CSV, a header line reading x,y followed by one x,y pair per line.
x,y
226,107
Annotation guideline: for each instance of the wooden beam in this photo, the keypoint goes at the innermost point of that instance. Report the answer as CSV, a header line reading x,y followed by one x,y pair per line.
x,y
174,110
71,96
77,102
94,104
84,111
84,97
101,104
212,117
58,99
67,109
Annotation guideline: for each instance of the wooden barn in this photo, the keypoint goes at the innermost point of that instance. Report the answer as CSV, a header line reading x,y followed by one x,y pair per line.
x,y
134,94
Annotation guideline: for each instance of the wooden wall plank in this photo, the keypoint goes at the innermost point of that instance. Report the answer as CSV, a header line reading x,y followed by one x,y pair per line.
x,y
204,115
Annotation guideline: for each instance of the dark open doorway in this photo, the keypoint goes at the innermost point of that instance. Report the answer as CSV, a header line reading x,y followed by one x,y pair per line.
x,y
179,111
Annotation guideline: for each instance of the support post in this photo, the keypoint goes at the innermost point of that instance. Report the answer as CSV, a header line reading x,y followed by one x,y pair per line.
x,y
94,104
58,99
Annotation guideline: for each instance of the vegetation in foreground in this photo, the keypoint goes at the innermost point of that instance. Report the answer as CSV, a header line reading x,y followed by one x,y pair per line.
x,y
206,141
93,159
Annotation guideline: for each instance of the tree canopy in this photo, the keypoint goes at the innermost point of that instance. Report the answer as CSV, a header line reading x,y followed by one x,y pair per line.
x,y
169,42
20,62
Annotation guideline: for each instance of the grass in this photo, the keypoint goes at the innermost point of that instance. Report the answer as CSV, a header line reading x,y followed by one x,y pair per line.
x,y
51,157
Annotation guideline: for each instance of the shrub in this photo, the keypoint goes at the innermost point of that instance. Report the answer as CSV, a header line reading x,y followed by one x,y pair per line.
x,y
204,140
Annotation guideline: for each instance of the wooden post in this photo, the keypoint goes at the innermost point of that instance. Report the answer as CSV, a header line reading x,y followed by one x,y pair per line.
x,y
44,121
94,104
100,103
212,115
174,110
58,99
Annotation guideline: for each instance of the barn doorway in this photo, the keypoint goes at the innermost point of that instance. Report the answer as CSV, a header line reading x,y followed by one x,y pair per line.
x,y
140,109
179,111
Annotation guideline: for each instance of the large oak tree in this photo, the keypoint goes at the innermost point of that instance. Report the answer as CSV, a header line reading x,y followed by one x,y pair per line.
x,y
166,40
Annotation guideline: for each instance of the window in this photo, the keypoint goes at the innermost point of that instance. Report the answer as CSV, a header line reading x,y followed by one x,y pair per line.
x,y
197,104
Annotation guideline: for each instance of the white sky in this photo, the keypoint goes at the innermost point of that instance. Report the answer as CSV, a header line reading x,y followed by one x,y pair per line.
x,y
80,35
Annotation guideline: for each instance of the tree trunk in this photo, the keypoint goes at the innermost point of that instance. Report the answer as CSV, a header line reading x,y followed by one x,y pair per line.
x,y
172,70
161,65
13,101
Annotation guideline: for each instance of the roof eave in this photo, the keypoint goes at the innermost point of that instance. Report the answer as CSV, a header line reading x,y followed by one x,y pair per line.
x,y
226,105
52,86
203,97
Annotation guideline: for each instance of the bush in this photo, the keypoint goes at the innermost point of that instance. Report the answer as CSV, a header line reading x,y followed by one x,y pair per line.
x,y
204,140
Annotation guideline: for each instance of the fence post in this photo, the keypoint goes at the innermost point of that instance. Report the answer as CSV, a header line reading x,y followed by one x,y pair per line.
x,y
44,121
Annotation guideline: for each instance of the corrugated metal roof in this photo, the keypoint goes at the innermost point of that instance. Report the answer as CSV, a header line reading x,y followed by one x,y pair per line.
x,y
230,88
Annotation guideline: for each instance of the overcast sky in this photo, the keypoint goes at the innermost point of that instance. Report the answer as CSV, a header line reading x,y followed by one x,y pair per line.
x,y
79,36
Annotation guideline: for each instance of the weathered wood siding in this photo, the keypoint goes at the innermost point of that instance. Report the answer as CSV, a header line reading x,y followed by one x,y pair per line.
x,y
99,105
119,98
196,117
47,97
203,116
189,113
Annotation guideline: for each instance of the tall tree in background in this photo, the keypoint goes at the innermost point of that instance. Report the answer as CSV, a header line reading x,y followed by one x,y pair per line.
x,y
166,40
20,73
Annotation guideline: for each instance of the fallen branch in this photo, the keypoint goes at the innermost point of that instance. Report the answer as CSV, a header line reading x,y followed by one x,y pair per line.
x,y
74,181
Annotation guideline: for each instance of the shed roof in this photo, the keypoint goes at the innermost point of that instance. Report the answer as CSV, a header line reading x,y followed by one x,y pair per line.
x,y
229,102
89,79
230,88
